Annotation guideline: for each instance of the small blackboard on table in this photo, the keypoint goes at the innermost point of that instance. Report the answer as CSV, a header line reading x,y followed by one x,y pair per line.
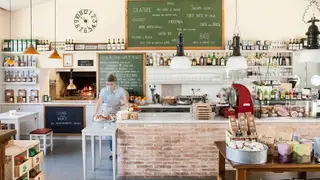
x,y
65,120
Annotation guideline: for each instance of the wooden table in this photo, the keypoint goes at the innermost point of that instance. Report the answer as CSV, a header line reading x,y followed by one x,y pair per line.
x,y
5,136
272,165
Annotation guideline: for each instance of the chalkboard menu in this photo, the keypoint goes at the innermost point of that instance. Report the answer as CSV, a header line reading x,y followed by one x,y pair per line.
x,y
157,23
85,62
65,119
129,69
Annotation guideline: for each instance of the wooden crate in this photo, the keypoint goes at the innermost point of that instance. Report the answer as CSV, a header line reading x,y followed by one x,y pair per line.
x,y
22,169
37,159
40,176
202,111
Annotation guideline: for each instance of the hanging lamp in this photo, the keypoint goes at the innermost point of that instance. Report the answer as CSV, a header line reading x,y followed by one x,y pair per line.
x,y
180,61
236,62
55,54
10,61
31,50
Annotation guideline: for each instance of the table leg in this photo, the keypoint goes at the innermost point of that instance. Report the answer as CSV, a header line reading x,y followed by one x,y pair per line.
x,y
84,156
17,127
114,154
302,175
221,165
100,151
241,174
93,153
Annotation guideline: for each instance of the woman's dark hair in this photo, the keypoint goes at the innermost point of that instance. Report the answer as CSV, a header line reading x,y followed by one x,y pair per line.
x,y
111,77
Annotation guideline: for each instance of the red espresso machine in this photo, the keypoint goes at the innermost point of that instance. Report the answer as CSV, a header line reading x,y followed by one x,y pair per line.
x,y
234,100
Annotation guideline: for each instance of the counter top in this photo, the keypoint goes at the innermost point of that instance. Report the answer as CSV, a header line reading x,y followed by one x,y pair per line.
x,y
186,118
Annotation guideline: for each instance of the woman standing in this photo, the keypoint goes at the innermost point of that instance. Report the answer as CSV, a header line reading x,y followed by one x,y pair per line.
x,y
113,97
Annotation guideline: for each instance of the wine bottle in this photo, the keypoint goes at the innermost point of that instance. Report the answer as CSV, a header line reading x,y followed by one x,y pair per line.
x,y
201,60
123,45
161,60
66,45
290,45
222,61
214,60
169,61
209,60
118,45
109,48
114,45
151,61
8,79
194,60
147,60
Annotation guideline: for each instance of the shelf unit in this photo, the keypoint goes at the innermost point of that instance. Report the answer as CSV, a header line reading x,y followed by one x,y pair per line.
x,y
19,83
22,147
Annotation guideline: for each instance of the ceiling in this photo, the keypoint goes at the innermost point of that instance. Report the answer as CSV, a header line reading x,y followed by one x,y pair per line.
x,y
19,4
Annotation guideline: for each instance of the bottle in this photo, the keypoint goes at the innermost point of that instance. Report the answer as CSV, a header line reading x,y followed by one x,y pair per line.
x,y
272,94
214,60
169,61
71,45
283,61
23,79
47,46
266,94
295,45
161,60
209,60
34,77
114,45
123,45
279,59
109,48
151,61
19,61
66,45
118,45
301,44
39,45
22,64
226,58
290,45
201,60
147,60
218,60
194,60
205,59
18,78
288,60
222,61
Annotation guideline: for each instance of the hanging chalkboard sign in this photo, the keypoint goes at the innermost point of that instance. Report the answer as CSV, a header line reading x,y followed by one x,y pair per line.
x,y
156,24
129,69
65,119
85,62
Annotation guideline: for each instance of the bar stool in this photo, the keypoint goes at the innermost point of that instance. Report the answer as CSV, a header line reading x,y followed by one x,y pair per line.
x,y
43,133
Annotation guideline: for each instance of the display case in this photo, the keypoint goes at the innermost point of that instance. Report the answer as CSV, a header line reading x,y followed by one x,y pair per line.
x,y
283,108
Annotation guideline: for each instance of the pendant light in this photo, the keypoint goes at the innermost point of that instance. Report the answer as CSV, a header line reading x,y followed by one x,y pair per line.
x,y
31,50
180,61
55,54
10,61
236,62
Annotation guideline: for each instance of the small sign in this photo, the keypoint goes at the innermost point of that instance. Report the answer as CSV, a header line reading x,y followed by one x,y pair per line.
x,y
91,47
79,47
85,62
59,45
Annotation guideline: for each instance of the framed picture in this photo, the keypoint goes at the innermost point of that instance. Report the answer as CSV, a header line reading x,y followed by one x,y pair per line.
x,y
67,60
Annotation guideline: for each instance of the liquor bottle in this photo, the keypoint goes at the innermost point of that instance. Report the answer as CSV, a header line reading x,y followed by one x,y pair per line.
x,y
114,45
283,61
161,60
47,46
8,77
147,61
118,45
169,61
201,60
29,78
222,61
19,61
151,61
218,60
194,60
214,60
18,78
301,44
290,45
123,45
158,60
278,60
295,45
72,46
22,64
288,60
209,60
226,58
39,45
13,78
109,48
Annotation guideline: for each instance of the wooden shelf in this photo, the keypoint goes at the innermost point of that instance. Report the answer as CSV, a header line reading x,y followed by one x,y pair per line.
x,y
20,68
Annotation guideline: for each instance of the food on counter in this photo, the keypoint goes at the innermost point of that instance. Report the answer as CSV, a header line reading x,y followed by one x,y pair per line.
x,y
103,118
284,111
134,116
246,145
140,101
123,115
134,108
170,100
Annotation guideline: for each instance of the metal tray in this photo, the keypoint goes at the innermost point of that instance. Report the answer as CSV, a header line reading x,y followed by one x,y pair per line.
x,y
247,157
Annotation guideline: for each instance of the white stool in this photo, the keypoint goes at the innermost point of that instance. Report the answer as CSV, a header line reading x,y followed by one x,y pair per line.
x,y
43,133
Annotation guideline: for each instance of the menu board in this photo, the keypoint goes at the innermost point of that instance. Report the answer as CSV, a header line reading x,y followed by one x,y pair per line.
x,y
65,119
157,23
129,69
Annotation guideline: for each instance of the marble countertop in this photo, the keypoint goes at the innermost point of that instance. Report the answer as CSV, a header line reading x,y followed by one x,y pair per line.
x,y
186,118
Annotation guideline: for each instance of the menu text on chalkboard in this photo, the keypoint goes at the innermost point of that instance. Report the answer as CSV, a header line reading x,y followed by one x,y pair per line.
x,y
157,23
65,119
129,69
85,62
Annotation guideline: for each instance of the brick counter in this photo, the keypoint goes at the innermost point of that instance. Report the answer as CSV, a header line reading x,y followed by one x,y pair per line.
x,y
180,150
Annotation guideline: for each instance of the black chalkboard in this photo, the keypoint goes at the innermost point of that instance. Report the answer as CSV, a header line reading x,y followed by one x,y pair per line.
x,y
154,24
129,69
65,119
85,62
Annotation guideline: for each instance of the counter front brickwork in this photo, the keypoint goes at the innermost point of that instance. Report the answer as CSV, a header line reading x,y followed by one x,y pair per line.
x,y
180,150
